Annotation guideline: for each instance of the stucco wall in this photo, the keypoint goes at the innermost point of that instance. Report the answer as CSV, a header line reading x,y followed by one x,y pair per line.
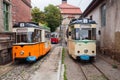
x,y
107,37
110,34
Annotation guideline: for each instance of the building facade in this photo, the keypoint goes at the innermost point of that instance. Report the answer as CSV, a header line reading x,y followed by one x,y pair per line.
x,y
106,14
6,35
11,11
68,12
21,11
5,16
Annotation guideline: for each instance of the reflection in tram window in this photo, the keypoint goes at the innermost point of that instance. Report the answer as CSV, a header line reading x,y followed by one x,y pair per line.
x,y
84,33
24,37
47,34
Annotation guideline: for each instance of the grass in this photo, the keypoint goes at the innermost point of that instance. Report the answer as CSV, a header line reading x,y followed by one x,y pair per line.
x,y
63,57
114,66
65,77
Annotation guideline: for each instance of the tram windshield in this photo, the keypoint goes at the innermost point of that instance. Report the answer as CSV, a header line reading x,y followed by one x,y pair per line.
x,y
25,37
54,35
84,33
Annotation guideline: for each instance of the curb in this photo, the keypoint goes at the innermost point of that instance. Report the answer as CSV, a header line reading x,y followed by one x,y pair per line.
x,y
60,65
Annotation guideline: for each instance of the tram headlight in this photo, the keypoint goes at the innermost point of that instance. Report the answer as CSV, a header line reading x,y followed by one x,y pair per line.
x,y
78,52
22,52
93,51
85,51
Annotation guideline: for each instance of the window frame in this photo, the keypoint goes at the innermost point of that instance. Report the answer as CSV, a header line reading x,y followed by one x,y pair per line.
x,y
103,15
6,13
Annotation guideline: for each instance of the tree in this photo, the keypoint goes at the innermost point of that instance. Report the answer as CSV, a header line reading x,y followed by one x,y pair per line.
x,y
38,16
53,17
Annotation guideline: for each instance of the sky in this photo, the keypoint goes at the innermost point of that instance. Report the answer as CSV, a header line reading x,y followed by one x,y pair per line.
x,y
78,3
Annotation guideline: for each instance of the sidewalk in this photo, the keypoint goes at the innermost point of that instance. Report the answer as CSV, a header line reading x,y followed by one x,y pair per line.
x,y
51,67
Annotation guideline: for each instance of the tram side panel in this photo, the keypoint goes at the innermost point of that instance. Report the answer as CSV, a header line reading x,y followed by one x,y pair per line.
x,y
71,48
47,46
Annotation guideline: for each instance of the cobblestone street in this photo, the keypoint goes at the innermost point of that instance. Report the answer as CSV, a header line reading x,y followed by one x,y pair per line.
x,y
46,68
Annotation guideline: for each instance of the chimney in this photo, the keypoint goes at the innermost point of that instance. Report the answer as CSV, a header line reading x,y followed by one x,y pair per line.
x,y
64,1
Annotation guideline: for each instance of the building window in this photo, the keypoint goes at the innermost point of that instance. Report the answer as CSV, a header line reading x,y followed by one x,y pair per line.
x,y
6,16
91,17
103,15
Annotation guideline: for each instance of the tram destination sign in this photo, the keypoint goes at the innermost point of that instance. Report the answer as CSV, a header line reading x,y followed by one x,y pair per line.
x,y
85,26
22,30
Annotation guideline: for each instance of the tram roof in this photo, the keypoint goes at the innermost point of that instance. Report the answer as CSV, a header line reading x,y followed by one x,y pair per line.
x,y
26,24
82,21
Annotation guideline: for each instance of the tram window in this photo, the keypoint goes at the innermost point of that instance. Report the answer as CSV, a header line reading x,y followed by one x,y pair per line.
x,y
83,34
77,33
88,33
21,37
37,36
47,34
29,37
24,37
73,34
94,33
53,35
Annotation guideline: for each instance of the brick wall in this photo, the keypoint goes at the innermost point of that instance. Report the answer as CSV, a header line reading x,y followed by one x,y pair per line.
x,y
21,11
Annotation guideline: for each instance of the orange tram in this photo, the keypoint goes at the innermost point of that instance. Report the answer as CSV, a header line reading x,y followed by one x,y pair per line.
x,y
32,41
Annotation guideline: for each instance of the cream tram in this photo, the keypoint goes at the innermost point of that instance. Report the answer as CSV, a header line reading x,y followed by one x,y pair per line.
x,y
81,42
31,41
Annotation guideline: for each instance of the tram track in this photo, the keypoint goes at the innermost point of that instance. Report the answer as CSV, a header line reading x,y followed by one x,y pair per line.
x,y
91,72
83,73
100,71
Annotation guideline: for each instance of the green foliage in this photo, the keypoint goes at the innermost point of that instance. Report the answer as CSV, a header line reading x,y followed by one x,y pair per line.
x,y
63,55
65,76
53,16
38,16
114,66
